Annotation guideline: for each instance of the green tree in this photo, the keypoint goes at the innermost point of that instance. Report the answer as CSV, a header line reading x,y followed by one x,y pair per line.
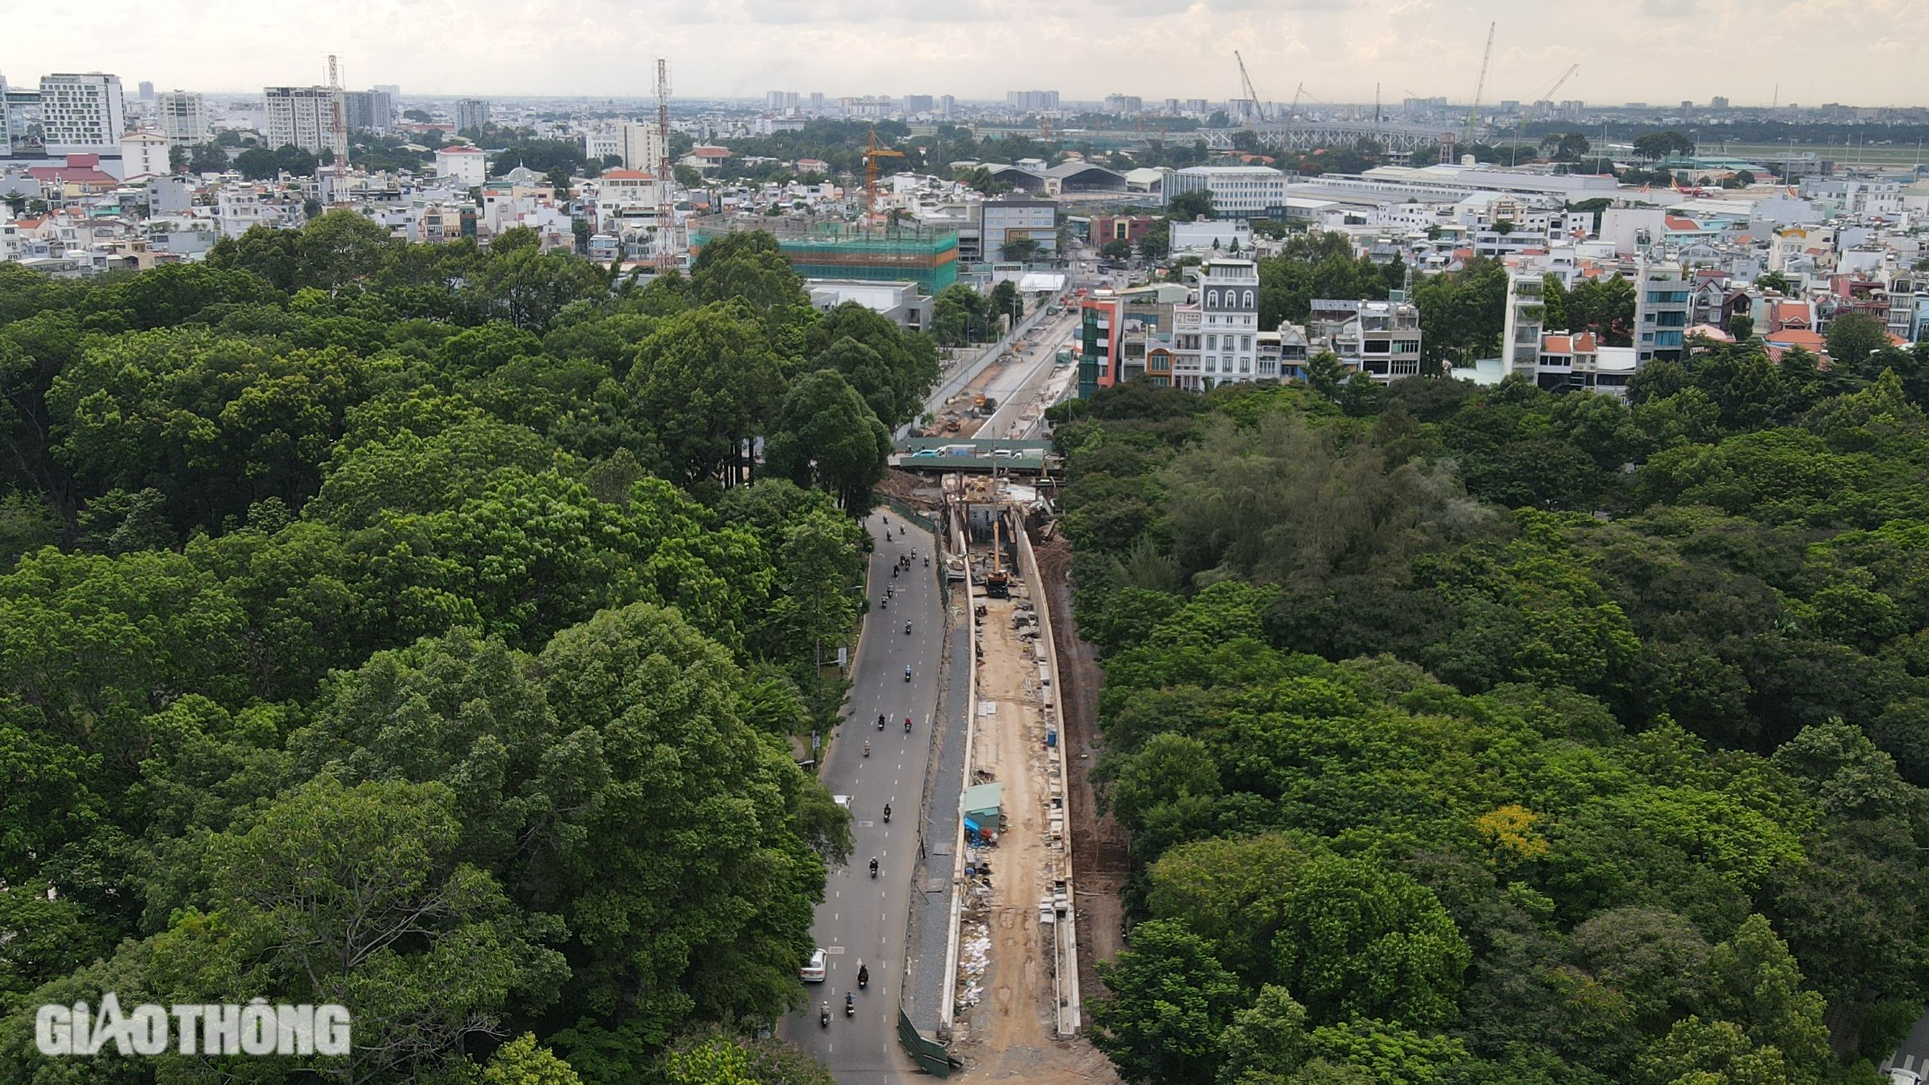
x,y
825,435
1171,1001
1852,337
523,1061
1187,206
710,378
1355,940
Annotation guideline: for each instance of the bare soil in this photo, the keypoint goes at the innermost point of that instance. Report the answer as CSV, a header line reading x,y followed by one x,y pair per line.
x,y
1011,1033
1101,856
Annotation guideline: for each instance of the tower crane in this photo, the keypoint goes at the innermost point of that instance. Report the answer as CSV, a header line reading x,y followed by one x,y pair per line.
x,y
1487,55
872,153
1246,83
1520,128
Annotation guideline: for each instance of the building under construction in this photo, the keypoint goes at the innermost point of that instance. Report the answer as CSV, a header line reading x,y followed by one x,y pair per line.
x,y
928,258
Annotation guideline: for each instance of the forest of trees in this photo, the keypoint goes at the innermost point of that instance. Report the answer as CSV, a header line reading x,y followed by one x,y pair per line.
x,y
1490,736
411,628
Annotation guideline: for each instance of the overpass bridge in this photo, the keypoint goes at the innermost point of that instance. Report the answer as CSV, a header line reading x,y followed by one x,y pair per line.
x,y
1306,135
970,456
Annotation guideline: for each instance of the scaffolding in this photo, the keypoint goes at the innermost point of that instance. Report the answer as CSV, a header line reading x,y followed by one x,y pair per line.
x,y
835,251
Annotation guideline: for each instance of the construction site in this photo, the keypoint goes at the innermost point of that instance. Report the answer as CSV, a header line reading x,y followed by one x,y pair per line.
x,y
836,250
1021,956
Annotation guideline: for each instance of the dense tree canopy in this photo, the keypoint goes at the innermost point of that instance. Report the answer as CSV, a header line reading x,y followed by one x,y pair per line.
x,y
413,627
1488,735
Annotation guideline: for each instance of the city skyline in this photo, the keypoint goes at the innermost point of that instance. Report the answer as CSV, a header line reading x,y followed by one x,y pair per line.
x,y
1659,51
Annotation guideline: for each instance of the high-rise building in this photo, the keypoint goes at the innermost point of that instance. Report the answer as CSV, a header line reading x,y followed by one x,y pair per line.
x,y
305,117
917,103
369,111
82,113
780,101
1032,101
471,115
1661,306
1718,103
1126,105
817,101
147,91
947,106
1171,107
183,117
1521,323
641,147
1198,105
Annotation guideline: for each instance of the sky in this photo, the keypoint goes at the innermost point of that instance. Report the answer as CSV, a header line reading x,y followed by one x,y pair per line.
x,y
1657,51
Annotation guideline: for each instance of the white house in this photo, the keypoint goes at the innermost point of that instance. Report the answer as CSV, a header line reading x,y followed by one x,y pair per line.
x,y
464,164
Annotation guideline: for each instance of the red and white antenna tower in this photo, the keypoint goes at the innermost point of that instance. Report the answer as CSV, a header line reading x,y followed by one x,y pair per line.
x,y
337,122
665,172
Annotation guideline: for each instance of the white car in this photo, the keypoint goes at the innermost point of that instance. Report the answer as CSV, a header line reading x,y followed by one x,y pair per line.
x,y
814,971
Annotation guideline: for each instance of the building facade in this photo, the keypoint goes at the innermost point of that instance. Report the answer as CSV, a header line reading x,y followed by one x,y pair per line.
x,y
1521,324
1003,222
369,111
305,117
1661,304
143,155
1215,334
1378,338
641,146
183,117
1237,191
82,113
471,114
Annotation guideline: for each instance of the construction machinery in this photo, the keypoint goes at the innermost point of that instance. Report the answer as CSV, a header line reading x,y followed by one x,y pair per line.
x,y
997,581
873,152
1533,108
1246,82
1480,87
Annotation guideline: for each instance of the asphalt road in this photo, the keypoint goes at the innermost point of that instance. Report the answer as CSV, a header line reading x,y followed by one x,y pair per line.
x,y
862,920
1016,382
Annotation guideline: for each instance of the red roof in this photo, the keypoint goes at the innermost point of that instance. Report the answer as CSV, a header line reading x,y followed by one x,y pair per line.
x,y
458,149
82,175
1813,342
1556,344
626,175
1678,222
710,152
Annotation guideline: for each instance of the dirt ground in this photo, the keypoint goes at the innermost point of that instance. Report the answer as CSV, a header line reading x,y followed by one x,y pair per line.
x,y
1101,858
1010,1033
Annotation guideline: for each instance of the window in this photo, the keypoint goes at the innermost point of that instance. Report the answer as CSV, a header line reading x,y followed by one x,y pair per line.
x,y
1212,342
1245,342
1249,299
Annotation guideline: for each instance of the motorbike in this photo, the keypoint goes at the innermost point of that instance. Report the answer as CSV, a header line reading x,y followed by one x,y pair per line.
x,y
894,572
874,868
907,725
850,1004
880,721
927,563
907,629
867,749
884,603
887,821
824,1016
907,673
863,977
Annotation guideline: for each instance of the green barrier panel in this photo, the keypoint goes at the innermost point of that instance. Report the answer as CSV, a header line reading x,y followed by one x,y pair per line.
x,y
929,1054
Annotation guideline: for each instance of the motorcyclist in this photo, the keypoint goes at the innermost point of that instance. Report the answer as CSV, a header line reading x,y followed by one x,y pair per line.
x,y
873,867
884,603
907,628
863,976
907,676
867,747
907,725
880,721
824,1016
850,1004
887,821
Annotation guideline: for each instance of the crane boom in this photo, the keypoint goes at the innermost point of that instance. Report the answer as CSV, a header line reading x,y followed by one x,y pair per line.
x,y
1548,96
1487,55
1246,83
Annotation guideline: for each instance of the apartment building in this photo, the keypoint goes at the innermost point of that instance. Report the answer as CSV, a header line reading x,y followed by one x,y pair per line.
x,y
305,117
1661,310
369,111
82,113
641,146
1237,191
143,155
182,116
1521,325
1215,334
467,166
471,114
1002,222
1378,338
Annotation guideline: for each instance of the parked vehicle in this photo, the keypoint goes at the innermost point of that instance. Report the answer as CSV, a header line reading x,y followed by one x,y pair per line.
x,y
814,971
